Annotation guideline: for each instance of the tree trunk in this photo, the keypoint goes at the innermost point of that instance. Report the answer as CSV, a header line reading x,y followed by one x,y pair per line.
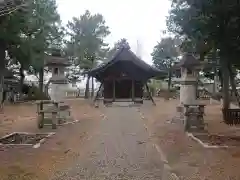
x,y
169,78
22,77
41,76
220,79
215,80
215,71
2,70
233,84
46,88
225,78
92,92
78,92
196,87
86,96
1,87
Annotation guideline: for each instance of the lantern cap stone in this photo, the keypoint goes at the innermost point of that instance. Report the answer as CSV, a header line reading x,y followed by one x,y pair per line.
x,y
188,61
56,59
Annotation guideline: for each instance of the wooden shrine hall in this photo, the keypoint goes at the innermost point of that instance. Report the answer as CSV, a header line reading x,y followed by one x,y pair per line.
x,y
123,77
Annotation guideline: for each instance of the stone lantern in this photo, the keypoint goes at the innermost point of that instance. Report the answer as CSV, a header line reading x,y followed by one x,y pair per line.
x,y
59,83
191,111
189,67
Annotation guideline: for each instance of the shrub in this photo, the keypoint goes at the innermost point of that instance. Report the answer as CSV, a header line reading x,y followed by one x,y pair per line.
x,y
35,94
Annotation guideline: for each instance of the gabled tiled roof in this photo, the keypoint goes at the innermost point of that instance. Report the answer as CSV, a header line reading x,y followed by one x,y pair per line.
x,y
125,54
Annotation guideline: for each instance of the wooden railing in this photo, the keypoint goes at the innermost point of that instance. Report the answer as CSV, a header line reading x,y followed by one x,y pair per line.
x,y
231,116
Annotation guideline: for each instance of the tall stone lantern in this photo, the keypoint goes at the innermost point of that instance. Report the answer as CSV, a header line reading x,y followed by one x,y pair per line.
x,y
189,67
59,83
191,111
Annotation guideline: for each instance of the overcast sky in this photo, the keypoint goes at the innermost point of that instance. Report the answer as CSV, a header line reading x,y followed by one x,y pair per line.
x,y
136,20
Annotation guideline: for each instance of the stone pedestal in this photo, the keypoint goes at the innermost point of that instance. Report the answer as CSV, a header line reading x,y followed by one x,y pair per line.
x,y
64,112
180,113
58,91
193,117
58,94
190,112
187,94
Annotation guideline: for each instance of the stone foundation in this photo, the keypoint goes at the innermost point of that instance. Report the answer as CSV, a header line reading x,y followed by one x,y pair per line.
x,y
193,117
64,112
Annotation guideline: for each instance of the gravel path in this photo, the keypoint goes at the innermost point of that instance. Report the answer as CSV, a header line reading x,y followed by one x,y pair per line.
x,y
119,149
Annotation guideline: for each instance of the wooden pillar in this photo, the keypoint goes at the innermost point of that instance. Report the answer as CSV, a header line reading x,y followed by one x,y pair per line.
x,y
114,95
133,90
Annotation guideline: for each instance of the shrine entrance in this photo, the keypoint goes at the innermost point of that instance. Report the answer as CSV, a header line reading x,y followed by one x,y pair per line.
x,y
123,77
123,89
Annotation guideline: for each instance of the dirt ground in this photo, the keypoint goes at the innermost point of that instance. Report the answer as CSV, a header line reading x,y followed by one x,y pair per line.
x,y
187,158
26,163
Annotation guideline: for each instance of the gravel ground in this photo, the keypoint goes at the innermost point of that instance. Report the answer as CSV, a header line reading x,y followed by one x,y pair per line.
x,y
119,149
27,163
187,158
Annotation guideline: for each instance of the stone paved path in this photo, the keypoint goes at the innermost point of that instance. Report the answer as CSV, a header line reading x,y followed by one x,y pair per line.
x,y
119,149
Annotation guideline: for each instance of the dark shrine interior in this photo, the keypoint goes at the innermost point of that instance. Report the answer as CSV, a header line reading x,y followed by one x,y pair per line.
x,y
123,89
126,77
